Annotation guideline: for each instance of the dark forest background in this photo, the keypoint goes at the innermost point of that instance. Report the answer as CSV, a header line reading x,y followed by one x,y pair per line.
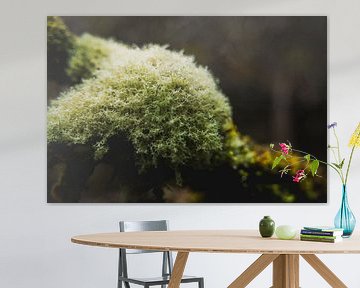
x,y
273,69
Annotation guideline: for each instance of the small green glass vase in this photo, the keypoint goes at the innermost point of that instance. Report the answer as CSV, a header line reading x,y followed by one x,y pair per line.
x,y
266,227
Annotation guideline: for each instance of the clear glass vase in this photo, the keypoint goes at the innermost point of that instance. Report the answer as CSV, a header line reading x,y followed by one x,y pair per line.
x,y
345,219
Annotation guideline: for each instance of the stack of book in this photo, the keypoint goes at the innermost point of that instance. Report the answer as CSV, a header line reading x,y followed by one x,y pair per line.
x,y
321,234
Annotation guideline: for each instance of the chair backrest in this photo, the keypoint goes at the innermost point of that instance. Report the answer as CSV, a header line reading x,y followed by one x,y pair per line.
x,y
134,226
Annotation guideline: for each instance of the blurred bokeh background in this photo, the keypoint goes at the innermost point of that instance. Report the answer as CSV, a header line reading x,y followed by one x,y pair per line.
x,y
272,69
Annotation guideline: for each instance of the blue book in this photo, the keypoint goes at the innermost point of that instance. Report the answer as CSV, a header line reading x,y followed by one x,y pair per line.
x,y
322,231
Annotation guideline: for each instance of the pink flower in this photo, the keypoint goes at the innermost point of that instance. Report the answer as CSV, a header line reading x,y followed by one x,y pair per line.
x,y
284,148
300,175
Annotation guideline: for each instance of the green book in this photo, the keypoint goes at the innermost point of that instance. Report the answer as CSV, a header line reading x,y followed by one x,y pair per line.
x,y
319,236
325,240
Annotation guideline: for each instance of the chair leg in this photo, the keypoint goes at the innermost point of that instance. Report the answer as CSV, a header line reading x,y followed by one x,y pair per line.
x,y
201,283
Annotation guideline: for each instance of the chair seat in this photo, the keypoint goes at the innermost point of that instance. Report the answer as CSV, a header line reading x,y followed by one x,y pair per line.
x,y
158,280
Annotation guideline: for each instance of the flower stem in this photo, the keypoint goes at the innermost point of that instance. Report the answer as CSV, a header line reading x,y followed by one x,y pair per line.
x,y
338,145
323,162
333,152
339,161
350,159
348,167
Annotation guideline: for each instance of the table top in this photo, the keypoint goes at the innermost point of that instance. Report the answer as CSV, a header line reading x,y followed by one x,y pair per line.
x,y
216,241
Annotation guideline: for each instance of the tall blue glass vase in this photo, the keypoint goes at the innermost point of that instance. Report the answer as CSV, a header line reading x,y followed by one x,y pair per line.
x,y
345,219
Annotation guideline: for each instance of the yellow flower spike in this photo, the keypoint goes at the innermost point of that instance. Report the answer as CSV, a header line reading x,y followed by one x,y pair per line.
x,y
355,138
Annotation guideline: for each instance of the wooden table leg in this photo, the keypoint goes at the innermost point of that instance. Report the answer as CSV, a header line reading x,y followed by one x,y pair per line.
x,y
293,261
324,271
253,270
286,271
178,269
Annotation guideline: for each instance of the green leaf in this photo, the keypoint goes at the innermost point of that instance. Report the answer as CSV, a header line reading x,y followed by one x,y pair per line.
x,y
314,167
272,145
342,164
307,157
277,161
339,166
336,165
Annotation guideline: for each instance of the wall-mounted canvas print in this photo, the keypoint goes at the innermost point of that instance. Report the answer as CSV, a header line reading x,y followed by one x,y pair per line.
x,y
184,109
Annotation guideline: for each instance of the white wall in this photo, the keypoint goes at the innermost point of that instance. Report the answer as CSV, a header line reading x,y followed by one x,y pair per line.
x,y
35,248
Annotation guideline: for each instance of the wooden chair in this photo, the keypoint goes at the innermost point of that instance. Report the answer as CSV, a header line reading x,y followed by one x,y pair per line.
x,y
167,262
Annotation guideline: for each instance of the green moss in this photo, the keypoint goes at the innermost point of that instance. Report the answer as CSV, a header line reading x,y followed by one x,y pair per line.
x,y
237,148
88,56
168,107
60,44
